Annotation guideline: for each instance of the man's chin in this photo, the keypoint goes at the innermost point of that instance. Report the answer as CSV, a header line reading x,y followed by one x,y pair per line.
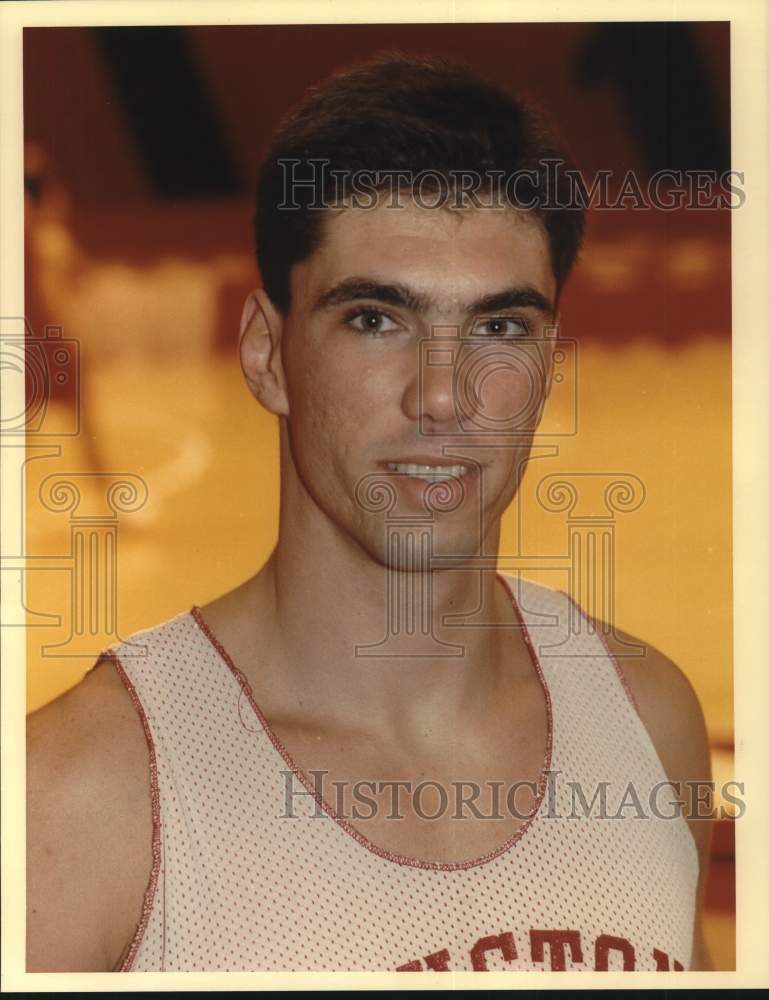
x,y
414,549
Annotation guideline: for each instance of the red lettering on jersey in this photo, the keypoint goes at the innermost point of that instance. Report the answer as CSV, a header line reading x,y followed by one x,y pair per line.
x,y
438,961
663,962
606,943
557,941
494,942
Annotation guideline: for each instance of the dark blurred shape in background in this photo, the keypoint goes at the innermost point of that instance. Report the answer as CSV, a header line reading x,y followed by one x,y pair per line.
x,y
168,109
660,76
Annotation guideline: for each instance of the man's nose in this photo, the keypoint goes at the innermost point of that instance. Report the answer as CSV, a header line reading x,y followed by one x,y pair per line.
x,y
431,395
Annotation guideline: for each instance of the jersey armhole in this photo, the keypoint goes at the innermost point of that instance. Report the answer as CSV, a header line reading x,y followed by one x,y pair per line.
x,y
612,658
149,893
631,698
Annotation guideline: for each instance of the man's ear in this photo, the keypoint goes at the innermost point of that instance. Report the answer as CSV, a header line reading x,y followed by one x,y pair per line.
x,y
261,326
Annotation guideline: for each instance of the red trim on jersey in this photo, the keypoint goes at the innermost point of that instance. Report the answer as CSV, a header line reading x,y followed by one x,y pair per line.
x,y
347,827
149,894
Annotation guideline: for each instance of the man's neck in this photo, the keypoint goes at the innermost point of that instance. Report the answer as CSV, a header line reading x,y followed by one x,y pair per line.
x,y
365,642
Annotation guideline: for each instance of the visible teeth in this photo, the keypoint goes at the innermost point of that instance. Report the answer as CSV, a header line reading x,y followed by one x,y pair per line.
x,y
428,471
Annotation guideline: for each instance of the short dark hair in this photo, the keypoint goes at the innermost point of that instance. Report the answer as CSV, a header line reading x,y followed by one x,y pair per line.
x,y
405,113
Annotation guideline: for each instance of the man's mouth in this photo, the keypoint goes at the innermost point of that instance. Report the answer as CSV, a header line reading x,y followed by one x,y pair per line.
x,y
430,473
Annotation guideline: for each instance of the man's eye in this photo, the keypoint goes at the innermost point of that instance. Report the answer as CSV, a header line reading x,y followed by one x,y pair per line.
x,y
501,326
371,321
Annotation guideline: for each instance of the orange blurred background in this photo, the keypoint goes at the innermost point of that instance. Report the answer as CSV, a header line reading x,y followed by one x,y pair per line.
x,y
142,146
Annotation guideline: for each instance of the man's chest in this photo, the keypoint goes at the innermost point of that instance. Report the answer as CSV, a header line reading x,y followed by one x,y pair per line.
x,y
457,798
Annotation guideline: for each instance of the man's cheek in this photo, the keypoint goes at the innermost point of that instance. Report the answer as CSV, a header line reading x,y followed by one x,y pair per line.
x,y
326,418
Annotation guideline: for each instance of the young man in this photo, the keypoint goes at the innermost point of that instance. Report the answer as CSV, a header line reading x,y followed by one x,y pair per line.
x,y
306,733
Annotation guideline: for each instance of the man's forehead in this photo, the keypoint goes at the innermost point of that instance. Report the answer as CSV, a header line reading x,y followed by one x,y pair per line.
x,y
402,212
446,260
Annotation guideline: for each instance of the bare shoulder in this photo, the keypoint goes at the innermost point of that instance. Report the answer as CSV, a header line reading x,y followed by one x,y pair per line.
x,y
89,825
672,714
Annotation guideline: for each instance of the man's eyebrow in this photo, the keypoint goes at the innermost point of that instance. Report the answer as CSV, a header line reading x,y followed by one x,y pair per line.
x,y
398,294
523,297
393,293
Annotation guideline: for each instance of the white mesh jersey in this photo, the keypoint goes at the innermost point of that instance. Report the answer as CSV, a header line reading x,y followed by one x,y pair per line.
x,y
237,886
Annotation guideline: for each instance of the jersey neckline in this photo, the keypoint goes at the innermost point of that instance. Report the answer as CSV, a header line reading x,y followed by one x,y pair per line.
x,y
382,852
